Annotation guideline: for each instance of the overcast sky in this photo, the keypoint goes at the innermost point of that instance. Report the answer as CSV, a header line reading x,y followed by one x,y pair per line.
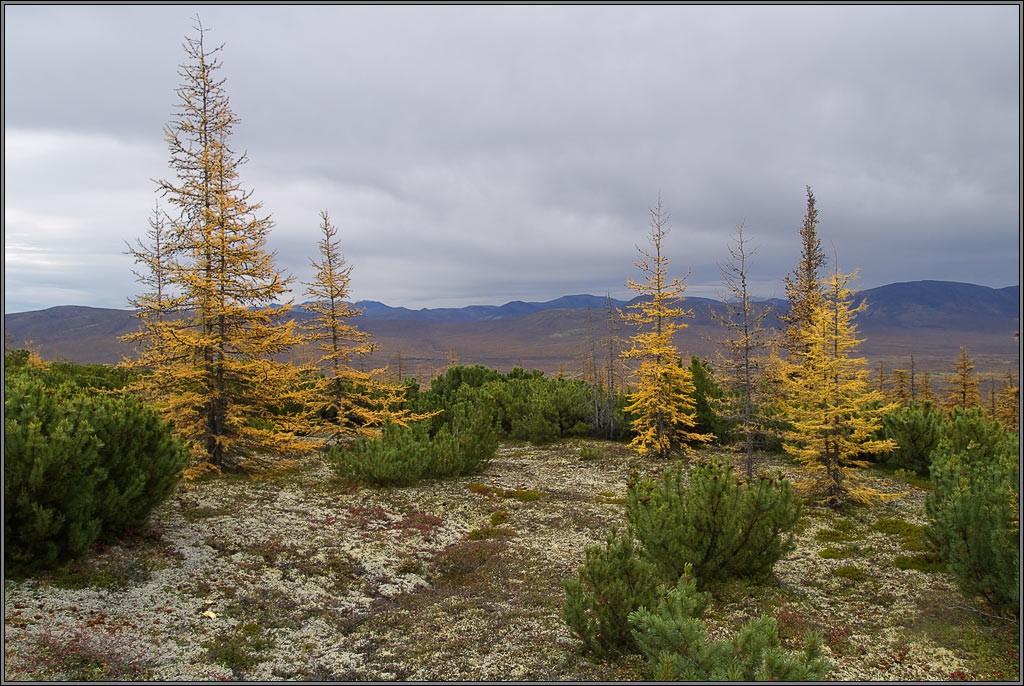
x,y
487,154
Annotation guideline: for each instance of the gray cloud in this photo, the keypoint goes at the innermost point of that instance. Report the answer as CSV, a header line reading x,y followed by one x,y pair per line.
x,y
476,155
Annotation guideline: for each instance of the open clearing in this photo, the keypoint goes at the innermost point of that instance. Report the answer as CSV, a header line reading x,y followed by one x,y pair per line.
x,y
301,576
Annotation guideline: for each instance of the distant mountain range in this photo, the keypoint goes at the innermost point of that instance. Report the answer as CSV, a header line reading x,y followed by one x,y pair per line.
x,y
927,319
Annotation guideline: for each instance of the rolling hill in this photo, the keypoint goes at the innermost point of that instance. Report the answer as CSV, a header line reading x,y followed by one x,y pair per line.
x,y
927,319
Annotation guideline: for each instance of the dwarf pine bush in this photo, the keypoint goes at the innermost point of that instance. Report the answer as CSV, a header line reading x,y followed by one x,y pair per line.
x,y
916,429
973,508
526,405
721,525
673,638
612,582
78,466
400,455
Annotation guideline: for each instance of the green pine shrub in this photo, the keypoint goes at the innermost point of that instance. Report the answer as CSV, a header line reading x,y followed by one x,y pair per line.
x,y
612,582
85,376
476,437
970,430
527,406
706,392
78,466
673,638
464,443
973,508
142,458
398,456
536,420
916,429
715,521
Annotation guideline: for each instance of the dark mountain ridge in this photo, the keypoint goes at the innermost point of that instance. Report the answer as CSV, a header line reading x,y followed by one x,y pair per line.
x,y
924,318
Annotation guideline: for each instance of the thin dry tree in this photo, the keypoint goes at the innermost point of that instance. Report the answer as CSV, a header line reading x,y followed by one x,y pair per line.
x,y
743,350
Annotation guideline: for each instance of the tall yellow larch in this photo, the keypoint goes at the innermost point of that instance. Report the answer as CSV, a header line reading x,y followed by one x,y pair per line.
x,y
833,412
216,376
355,401
663,404
963,385
336,339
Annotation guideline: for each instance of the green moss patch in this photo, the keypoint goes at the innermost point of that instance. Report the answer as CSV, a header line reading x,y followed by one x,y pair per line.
x,y
850,572
912,537
922,562
843,531
522,495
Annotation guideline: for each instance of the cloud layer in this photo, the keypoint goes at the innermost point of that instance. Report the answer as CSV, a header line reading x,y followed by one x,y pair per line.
x,y
478,155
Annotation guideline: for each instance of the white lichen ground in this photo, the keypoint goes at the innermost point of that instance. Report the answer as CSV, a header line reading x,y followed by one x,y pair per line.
x,y
305,578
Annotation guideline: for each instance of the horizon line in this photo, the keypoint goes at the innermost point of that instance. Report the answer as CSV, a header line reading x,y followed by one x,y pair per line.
x,y
756,298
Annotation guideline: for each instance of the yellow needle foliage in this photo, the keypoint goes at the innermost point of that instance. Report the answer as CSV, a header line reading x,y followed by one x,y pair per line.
x,y
963,385
1008,404
663,404
828,402
355,399
211,347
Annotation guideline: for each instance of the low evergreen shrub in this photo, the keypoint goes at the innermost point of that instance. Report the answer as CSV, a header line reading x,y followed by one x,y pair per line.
x,y
706,392
526,405
78,466
612,582
916,429
673,638
970,430
476,437
974,507
400,455
715,521
84,376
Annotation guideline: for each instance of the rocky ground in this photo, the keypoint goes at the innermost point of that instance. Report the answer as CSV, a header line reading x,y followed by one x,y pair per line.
x,y
302,576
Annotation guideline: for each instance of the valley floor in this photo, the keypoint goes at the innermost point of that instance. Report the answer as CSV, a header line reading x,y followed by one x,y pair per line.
x,y
301,577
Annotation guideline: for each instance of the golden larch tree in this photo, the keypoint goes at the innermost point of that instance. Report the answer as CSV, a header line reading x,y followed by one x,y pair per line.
x,y
154,308
1008,403
356,401
962,386
663,404
216,376
336,339
833,412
